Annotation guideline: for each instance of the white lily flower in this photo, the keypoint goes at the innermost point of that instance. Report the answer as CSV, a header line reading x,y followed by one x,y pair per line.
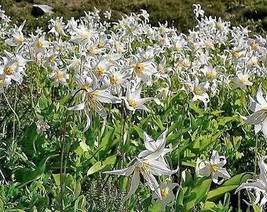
x,y
213,168
147,168
155,149
92,98
259,117
241,81
133,100
259,185
168,197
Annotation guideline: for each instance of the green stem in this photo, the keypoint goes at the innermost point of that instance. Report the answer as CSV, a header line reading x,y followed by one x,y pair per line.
x,y
256,154
9,105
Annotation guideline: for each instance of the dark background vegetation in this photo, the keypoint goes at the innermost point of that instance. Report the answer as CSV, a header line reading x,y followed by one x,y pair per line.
x,y
178,13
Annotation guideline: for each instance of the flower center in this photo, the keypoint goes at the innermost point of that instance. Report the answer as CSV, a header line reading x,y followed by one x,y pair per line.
x,y
139,68
255,46
236,53
85,35
185,64
100,44
165,192
242,80
59,75
20,40
211,75
93,95
146,165
2,81
214,167
58,27
99,71
8,70
85,86
132,103
198,90
39,44
114,80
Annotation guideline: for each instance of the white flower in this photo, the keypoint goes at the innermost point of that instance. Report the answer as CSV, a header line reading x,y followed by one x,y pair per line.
x,y
198,10
259,117
259,185
92,98
154,149
241,80
213,168
147,168
59,76
168,197
133,100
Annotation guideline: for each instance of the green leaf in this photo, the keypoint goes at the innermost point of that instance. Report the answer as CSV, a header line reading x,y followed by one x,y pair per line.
x,y
238,179
230,185
109,160
156,207
198,193
256,208
95,168
218,192
57,179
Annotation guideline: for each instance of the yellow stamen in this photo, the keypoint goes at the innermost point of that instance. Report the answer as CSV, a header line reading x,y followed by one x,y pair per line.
x,y
139,68
93,95
99,71
165,192
85,86
9,70
19,40
198,90
242,80
39,44
214,167
132,103
236,54
100,44
185,64
114,79
211,74
85,35
59,75
58,27
146,165
2,81
255,46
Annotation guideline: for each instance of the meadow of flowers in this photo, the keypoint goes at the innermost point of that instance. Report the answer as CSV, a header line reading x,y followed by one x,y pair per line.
x,y
103,116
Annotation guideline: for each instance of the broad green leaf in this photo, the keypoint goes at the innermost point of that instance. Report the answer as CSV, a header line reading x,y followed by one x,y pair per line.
x,y
109,160
256,208
208,206
95,168
230,185
156,207
80,204
218,192
57,179
198,194
195,108
238,179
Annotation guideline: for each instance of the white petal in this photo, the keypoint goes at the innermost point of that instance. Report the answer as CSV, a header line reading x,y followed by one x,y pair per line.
x,y
77,107
134,185
264,127
260,98
124,172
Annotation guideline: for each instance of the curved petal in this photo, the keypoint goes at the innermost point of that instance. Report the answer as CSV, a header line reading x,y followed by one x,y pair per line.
x,y
134,185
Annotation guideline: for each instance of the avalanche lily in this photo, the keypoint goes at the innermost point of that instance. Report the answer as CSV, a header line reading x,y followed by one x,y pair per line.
x,y
213,168
259,185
